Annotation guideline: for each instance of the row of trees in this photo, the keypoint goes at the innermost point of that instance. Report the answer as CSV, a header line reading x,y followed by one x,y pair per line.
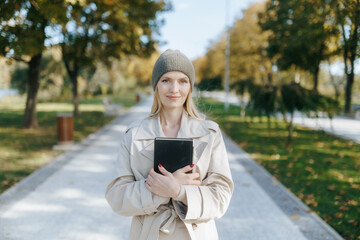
x,y
119,76
277,41
287,98
87,31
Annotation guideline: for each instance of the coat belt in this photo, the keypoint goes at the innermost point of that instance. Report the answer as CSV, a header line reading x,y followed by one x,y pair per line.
x,y
165,221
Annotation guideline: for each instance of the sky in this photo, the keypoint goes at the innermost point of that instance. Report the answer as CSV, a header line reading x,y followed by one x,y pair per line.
x,y
193,24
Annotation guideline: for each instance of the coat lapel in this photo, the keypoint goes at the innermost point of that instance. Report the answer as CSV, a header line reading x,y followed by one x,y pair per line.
x,y
199,147
148,151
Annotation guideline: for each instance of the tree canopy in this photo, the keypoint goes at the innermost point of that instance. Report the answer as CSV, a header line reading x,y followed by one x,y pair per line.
x,y
87,30
100,30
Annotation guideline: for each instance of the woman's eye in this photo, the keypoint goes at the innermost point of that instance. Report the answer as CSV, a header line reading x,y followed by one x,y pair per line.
x,y
184,81
164,80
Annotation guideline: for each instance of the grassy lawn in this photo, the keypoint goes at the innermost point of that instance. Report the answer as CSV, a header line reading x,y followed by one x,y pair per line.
x,y
322,170
25,150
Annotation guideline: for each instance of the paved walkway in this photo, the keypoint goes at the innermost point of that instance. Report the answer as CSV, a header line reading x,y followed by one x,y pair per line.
x,y
65,199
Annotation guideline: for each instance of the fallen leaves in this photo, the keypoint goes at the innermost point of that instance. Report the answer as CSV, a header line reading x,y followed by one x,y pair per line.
x,y
310,200
339,214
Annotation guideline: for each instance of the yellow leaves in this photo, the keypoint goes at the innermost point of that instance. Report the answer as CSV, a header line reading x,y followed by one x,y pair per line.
x,y
275,157
341,154
295,217
275,183
337,174
242,144
352,202
327,218
331,188
319,144
6,183
342,192
339,215
81,2
310,200
309,169
344,208
353,222
109,2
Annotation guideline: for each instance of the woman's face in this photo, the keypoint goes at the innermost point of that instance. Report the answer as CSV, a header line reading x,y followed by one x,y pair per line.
x,y
173,88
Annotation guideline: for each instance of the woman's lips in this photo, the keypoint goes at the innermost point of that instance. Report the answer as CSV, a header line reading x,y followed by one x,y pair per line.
x,y
173,97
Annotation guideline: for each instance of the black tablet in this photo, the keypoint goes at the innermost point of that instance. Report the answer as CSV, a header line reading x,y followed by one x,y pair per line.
x,y
173,153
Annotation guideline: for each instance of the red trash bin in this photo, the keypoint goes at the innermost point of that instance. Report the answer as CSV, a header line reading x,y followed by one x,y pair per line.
x,y
65,127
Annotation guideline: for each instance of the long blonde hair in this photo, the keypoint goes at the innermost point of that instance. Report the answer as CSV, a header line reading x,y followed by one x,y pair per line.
x,y
189,106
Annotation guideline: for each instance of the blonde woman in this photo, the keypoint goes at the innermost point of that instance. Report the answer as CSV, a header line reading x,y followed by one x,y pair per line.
x,y
172,205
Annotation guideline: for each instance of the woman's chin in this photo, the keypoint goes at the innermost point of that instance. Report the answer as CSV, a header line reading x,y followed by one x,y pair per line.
x,y
173,106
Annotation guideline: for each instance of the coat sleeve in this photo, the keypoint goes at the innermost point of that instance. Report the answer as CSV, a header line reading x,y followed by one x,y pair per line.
x,y
126,195
211,199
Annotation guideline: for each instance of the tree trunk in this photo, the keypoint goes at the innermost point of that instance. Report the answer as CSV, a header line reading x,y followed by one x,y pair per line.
x,y
290,128
75,94
351,49
350,74
348,91
332,80
30,120
242,107
316,78
73,74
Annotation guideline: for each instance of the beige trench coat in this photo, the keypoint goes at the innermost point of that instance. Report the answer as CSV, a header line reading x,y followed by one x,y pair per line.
x,y
156,217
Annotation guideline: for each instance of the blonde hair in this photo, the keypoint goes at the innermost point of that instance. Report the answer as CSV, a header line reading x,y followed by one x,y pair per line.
x,y
189,106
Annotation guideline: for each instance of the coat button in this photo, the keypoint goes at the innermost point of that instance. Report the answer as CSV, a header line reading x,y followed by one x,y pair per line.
x,y
194,226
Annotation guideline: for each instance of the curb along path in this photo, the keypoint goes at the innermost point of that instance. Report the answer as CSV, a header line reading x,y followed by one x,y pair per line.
x,y
65,199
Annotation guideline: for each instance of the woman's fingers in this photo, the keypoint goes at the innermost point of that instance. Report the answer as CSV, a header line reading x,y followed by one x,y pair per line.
x,y
186,168
150,179
196,183
194,175
163,170
147,185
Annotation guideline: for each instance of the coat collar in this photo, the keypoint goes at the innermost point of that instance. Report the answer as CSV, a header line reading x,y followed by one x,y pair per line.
x,y
189,128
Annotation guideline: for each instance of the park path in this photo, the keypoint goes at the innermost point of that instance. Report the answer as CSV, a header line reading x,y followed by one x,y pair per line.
x,y
65,199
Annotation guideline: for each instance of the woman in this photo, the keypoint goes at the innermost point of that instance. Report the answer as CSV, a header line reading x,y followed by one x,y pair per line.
x,y
172,205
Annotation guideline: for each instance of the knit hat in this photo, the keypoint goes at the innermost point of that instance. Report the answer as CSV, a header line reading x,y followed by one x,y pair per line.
x,y
172,60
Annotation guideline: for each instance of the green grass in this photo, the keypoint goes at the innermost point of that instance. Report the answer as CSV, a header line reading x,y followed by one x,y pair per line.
x,y
25,150
321,169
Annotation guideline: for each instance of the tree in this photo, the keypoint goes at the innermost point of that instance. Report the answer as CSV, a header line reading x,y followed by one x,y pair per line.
x,y
347,15
142,68
213,63
248,59
22,38
264,100
300,31
98,30
210,84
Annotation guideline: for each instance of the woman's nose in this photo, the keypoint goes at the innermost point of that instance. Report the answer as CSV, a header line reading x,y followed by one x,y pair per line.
x,y
174,87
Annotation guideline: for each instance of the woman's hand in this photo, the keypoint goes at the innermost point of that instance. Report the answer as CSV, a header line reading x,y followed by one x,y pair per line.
x,y
168,184
185,178
163,185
